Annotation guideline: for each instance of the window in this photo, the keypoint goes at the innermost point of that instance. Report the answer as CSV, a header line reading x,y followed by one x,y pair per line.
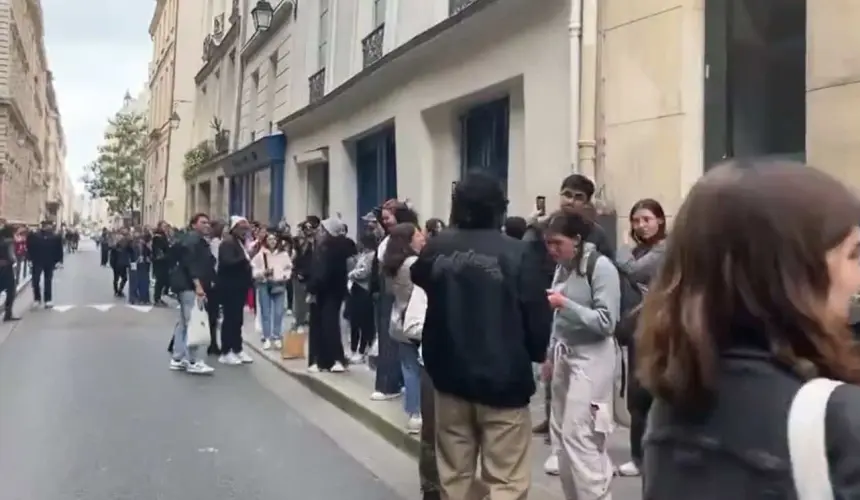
x,y
378,12
272,89
253,112
322,48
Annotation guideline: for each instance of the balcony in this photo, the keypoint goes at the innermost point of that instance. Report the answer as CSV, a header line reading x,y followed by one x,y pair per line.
x,y
316,86
457,6
371,45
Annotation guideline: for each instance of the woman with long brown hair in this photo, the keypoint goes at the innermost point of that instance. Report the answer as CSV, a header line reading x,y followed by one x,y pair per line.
x,y
640,260
751,303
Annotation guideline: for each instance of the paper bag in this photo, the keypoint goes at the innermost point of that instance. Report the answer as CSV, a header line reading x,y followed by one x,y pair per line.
x,y
294,345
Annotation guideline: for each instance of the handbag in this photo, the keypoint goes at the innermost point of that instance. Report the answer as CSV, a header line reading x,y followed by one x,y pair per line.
x,y
198,325
272,288
620,386
806,440
413,316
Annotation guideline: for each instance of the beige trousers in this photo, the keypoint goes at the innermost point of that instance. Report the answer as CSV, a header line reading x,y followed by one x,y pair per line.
x,y
482,453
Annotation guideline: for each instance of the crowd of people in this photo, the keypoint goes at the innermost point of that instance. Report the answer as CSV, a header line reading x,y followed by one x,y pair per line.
x,y
462,322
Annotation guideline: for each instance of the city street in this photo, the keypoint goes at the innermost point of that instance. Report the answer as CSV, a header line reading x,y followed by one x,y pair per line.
x,y
89,410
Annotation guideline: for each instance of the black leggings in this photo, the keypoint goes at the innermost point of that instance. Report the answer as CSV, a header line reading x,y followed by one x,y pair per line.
x,y
120,278
362,327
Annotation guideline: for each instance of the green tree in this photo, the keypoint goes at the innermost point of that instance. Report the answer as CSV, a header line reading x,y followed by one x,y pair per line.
x,y
117,174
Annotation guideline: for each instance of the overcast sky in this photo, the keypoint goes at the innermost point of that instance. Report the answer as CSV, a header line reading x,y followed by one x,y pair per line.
x,y
97,49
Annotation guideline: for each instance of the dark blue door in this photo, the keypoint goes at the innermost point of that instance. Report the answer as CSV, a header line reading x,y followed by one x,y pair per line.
x,y
375,171
276,195
484,138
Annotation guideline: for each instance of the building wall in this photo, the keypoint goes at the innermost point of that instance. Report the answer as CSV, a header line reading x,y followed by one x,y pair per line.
x,y
266,88
177,49
507,48
23,111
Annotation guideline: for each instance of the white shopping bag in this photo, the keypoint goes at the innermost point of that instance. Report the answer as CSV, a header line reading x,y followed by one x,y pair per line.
x,y
198,325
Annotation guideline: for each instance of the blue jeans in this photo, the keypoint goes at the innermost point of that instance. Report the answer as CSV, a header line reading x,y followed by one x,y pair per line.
x,y
272,308
411,378
181,349
142,285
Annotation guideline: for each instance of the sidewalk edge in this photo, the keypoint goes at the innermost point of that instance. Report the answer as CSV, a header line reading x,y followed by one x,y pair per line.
x,y
389,431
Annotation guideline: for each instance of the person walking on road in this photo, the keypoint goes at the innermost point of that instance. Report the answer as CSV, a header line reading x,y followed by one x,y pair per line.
x,y
45,248
192,275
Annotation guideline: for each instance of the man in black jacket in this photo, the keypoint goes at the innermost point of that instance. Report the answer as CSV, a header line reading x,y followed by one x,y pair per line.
x,y
488,319
45,249
190,277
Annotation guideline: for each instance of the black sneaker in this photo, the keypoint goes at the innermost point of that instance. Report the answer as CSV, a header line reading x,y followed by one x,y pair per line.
x,y
541,428
9,319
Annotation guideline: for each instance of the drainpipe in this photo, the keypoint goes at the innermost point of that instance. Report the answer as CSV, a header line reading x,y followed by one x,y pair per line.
x,y
172,101
587,143
574,29
239,79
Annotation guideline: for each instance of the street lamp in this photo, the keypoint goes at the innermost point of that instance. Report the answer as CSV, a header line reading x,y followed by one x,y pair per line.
x,y
262,14
174,120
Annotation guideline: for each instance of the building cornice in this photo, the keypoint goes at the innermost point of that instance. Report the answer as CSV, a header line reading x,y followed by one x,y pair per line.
x,y
280,19
156,16
219,52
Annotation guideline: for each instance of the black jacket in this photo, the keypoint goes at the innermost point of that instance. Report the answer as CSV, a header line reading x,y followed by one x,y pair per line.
x,y
160,247
45,249
739,449
329,267
488,318
194,260
234,268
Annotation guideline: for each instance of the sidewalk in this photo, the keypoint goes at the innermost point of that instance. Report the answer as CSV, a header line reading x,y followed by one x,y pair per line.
x,y
350,391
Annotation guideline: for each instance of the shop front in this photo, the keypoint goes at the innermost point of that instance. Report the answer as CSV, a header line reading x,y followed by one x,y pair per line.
x,y
256,179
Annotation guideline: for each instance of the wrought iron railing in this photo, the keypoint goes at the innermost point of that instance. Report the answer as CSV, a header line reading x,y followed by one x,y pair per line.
x,y
455,6
371,45
316,86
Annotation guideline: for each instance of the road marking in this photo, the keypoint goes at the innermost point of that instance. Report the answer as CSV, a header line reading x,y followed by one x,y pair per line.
x,y
143,309
101,307
63,309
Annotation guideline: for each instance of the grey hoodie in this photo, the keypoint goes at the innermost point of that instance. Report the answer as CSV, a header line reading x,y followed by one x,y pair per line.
x,y
591,311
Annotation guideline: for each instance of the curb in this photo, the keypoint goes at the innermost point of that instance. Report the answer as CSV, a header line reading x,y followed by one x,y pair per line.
x,y
389,431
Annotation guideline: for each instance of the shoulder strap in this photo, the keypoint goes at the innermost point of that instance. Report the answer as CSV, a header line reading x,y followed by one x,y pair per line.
x,y
806,440
590,264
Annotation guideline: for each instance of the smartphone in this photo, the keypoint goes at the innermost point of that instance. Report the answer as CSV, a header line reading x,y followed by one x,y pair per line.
x,y
540,204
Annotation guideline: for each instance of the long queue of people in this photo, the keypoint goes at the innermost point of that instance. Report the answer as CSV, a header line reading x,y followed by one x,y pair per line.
x,y
752,291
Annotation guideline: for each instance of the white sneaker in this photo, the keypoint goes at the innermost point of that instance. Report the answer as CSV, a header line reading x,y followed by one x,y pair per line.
x,y
313,369
245,358
49,305
199,368
37,305
356,358
380,396
278,343
178,365
267,345
414,424
551,465
629,469
229,359
338,367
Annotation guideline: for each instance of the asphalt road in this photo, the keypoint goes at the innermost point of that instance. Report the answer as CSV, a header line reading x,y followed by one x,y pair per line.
x,y
90,411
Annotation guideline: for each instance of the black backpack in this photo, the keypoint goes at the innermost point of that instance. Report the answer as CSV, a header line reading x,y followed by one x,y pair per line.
x,y
631,298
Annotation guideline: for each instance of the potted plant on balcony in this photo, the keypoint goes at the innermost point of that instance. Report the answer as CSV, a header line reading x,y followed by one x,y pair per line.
x,y
196,158
222,135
